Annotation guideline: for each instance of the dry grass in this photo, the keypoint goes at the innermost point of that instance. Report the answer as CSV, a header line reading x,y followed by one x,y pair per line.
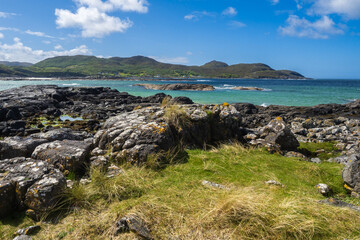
x,y
175,205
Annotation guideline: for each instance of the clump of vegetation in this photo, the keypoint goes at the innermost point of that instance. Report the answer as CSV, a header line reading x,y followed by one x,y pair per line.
x,y
175,115
175,205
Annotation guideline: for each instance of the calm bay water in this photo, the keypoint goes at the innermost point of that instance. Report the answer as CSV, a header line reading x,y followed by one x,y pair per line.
x,y
279,92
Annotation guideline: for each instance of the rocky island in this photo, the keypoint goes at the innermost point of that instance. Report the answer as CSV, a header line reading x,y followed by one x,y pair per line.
x,y
43,159
178,87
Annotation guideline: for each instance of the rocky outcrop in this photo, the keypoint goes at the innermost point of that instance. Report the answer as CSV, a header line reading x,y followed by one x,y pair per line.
x,y
20,108
28,183
351,174
248,88
142,133
178,87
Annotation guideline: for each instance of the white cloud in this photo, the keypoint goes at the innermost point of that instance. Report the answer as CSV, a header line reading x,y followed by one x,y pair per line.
x,y
9,29
301,27
230,11
112,5
58,47
274,2
175,60
1,35
189,53
196,15
46,42
93,19
236,24
350,9
6,15
38,34
19,52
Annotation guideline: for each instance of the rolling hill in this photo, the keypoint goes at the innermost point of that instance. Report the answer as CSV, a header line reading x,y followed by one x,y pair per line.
x,y
140,66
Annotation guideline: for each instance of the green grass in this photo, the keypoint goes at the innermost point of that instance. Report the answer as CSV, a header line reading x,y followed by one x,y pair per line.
x,y
323,150
175,205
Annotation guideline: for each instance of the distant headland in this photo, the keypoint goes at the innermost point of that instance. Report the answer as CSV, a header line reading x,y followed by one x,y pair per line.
x,y
138,66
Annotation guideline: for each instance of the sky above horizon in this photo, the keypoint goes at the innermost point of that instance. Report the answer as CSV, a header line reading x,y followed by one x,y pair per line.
x,y
317,38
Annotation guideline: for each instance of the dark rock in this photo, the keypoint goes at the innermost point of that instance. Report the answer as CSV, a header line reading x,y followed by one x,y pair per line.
x,y
338,203
7,197
62,134
134,224
44,194
67,155
181,100
12,147
33,184
277,132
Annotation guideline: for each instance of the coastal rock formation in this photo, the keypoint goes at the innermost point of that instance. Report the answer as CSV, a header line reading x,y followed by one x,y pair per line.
x,y
28,183
20,108
248,88
139,134
178,87
351,174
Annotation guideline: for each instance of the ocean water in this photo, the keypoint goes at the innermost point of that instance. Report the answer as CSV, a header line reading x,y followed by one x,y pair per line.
x,y
277,92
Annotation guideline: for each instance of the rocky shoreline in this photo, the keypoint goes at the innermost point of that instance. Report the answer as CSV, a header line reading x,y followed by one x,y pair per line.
x,y
38,151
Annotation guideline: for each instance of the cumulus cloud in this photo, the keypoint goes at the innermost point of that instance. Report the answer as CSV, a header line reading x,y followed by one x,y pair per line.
x,y
175,60
301,27
93,19
19,52
112,5
230,11
196,15
350,9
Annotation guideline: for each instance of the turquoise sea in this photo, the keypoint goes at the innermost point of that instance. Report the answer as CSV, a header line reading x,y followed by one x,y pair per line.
x,y
279,92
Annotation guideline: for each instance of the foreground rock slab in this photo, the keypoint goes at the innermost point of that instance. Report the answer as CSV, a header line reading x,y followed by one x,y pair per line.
x,y
29,183
67,155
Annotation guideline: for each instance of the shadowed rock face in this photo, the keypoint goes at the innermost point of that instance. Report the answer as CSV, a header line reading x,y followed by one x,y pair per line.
x,y
178,87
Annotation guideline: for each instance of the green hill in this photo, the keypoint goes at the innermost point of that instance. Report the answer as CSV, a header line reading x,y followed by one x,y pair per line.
x,y
140,66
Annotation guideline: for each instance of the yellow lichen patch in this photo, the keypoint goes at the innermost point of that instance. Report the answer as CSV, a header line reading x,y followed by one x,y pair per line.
x,y
347,187
279,118
137,107
225,104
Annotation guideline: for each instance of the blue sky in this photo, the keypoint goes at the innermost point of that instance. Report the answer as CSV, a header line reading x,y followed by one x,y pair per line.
x,y
318,38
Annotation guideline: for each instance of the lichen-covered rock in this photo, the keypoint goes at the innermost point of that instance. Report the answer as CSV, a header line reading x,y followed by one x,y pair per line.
x,y
66,155
136,135
351,174
278,132
29,183
132,223
44,194
12,147
62,134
